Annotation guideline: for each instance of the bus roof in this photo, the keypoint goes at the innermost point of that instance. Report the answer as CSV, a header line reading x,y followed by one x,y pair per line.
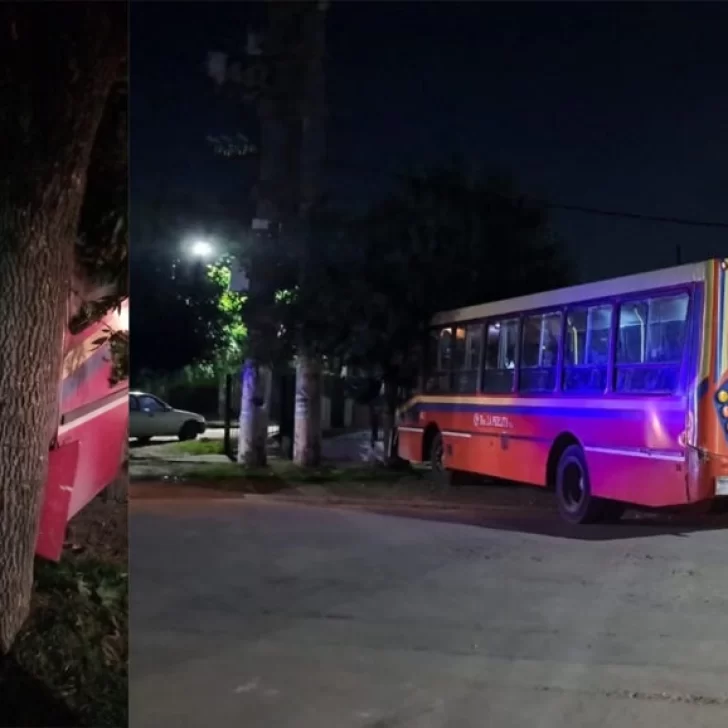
x,y
664,278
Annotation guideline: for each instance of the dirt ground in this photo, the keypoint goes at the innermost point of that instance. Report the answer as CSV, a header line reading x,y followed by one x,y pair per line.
x,y
68,666
101,529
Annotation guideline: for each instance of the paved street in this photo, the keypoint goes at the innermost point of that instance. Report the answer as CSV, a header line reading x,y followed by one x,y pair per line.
x,y
263,615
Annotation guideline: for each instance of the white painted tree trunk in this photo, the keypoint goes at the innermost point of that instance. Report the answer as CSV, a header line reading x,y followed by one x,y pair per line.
x,y
253,432
307,426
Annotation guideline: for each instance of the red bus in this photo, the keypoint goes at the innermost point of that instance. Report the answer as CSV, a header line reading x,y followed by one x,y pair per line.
x,y
609,393
89,446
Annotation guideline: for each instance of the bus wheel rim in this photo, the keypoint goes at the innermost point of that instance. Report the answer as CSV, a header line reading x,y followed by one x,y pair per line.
x,y
574,489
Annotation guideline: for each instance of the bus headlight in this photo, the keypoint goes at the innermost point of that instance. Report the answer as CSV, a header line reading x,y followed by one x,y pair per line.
x,y
723,396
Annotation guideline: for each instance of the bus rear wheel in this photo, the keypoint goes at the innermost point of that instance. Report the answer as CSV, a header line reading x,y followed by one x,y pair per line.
x,y
576,503
442,476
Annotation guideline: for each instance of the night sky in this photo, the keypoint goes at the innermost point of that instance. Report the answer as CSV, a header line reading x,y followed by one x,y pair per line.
x,y
613,106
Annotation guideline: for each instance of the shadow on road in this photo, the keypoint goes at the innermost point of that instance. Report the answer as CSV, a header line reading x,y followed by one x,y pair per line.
x,y
25,701
548,523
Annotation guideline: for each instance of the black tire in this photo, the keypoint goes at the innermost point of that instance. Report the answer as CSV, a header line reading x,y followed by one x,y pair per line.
x,y
188,431
143,440
441,476
576,503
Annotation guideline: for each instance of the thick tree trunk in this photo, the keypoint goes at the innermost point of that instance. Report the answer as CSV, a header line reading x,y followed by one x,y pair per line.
x,y
307,427
253,432
58,63
389,410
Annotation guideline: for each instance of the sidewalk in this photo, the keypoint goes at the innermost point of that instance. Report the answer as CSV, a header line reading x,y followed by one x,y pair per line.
x,y
353,447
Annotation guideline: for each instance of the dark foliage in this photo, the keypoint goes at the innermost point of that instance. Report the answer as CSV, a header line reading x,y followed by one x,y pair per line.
x,y
365,289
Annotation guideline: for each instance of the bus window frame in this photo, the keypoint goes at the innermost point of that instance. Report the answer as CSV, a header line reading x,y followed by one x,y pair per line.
x,y
561,310
681,388
594,303
517,361
453,373
616,303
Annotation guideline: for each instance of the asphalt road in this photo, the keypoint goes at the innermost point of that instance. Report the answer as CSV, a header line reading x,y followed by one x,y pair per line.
x,y
263,615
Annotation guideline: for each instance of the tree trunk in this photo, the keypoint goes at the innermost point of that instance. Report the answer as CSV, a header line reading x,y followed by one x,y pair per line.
x,y
374,423
222,396
389,410
58,63
307,427
253,432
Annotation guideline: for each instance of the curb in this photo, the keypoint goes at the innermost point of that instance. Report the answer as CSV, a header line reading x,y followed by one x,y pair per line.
x,y
310,500
201,492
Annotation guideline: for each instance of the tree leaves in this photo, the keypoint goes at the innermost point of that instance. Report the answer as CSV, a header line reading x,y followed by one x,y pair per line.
x,y
444,240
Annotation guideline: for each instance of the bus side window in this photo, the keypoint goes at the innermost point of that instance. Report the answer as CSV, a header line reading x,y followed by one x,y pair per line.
x,y
439,361
501,346
541,334
586,348
468,342
651,343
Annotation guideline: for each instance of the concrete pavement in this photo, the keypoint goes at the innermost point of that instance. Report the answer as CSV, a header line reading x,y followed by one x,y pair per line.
x,y
276,615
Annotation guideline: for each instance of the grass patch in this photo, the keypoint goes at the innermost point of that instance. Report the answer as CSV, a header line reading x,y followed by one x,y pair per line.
x,y
281,475
75,641
200,446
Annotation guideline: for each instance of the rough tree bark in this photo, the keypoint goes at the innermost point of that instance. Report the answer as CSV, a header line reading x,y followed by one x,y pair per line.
x,y
307,427
253,423
57,65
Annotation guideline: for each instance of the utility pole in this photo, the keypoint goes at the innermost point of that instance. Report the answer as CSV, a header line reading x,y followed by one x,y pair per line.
x,y
307,417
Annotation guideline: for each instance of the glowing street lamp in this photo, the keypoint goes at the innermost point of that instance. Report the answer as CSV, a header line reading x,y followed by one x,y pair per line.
x,y
201,249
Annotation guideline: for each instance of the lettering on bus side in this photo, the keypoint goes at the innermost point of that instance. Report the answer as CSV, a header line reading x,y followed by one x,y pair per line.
x,y
502,422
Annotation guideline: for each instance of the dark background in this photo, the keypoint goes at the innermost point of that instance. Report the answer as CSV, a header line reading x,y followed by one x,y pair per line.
x,y
609,105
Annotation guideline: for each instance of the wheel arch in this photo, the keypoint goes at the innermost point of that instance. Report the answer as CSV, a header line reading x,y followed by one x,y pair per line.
x,y
561,442
427,437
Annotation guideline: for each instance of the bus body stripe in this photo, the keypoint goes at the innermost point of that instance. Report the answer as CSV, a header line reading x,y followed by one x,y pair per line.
x,y
105,405
723,334
593,408
720,303
707,327
672,456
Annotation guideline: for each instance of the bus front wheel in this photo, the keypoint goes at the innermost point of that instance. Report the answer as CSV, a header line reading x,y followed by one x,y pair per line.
x,y
576,503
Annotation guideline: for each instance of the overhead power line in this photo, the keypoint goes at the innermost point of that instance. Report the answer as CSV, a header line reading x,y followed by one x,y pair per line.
x,y
337,164
638,216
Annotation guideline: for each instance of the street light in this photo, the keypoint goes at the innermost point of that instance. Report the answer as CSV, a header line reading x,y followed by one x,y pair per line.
x,y
202,249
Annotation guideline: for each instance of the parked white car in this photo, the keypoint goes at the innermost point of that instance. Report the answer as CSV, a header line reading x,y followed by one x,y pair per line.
x,y
150,417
